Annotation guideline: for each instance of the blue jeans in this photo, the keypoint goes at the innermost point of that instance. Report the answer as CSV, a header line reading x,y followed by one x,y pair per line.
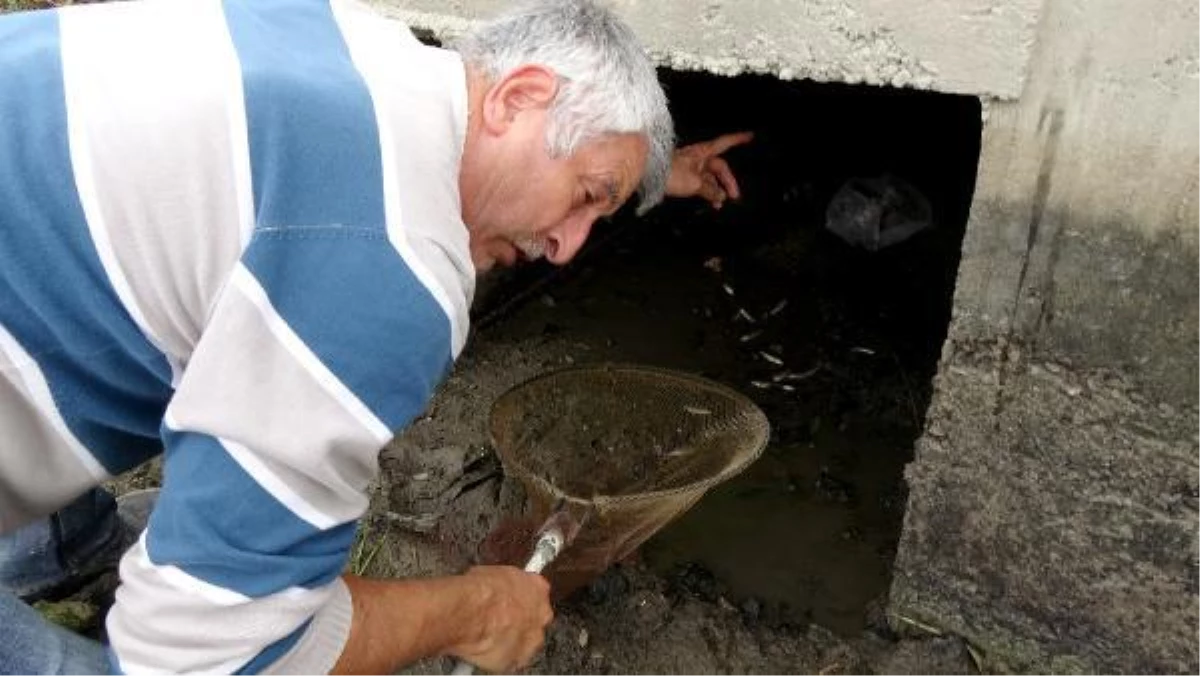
x,y
49,554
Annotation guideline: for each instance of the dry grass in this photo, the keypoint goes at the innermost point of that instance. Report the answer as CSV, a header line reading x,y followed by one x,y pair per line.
x,y
367,544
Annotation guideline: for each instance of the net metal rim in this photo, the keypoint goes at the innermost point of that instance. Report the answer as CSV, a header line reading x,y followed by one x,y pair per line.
x,y
759,423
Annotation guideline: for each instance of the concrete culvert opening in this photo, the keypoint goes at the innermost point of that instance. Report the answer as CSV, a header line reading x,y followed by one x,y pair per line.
x,y
837,344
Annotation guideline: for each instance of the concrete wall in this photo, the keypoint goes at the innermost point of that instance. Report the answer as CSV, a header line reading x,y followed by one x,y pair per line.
x,y
966,46
1052,517
1053,502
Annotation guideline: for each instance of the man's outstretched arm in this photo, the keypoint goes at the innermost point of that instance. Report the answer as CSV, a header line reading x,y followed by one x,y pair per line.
x,y
698,170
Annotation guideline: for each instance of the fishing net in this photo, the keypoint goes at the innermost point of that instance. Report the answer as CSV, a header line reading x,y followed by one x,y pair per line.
x,y
633,447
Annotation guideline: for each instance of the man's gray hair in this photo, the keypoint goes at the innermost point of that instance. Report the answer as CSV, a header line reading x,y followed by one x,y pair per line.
x,y
606,81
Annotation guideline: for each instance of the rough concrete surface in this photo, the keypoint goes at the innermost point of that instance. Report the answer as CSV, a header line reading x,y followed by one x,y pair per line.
x,y
964,46
1052,513
1052,519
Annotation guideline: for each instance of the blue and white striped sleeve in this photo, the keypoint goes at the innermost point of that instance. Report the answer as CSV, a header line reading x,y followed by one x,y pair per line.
x,y
328,336
318,348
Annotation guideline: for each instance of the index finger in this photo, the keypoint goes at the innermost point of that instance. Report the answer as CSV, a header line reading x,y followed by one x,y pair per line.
x,y
722,143
720,169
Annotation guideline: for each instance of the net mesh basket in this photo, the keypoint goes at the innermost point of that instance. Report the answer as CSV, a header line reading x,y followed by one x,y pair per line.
x,y
633,446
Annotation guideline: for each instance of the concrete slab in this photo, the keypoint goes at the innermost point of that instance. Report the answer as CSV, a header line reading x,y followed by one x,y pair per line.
x,y
964,46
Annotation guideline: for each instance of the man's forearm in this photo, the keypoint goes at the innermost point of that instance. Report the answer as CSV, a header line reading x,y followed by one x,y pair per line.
x,y
397,622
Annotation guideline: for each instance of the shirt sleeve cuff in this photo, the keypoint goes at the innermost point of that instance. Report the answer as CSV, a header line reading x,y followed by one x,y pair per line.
x,y
319,648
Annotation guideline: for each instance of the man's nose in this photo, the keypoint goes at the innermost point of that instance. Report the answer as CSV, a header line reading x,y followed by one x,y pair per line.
x,y
564,241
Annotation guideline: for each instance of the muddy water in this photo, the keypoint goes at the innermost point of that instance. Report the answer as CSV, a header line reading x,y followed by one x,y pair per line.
x,y
810,529
789,533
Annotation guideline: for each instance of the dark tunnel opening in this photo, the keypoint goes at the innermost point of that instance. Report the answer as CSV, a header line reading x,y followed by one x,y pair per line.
x,y
836,343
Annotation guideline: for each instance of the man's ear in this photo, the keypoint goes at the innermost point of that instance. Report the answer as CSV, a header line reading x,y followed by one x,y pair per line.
x,y
529,87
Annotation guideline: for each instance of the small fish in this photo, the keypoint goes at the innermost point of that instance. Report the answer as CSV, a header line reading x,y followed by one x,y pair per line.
x,y
793,376
741,313
771,358
862,350
760,384
750,336
728,289
778,308
696,410
679,452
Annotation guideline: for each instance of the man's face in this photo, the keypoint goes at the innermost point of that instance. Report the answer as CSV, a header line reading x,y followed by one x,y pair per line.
x,y
527,205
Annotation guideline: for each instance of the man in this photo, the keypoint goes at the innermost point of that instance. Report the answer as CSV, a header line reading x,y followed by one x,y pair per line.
x,y
246,233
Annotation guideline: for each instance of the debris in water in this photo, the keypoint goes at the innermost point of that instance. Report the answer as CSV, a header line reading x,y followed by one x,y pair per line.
x,y
976,657
713,264
419,523
929,629
583,638
873,213
696,410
